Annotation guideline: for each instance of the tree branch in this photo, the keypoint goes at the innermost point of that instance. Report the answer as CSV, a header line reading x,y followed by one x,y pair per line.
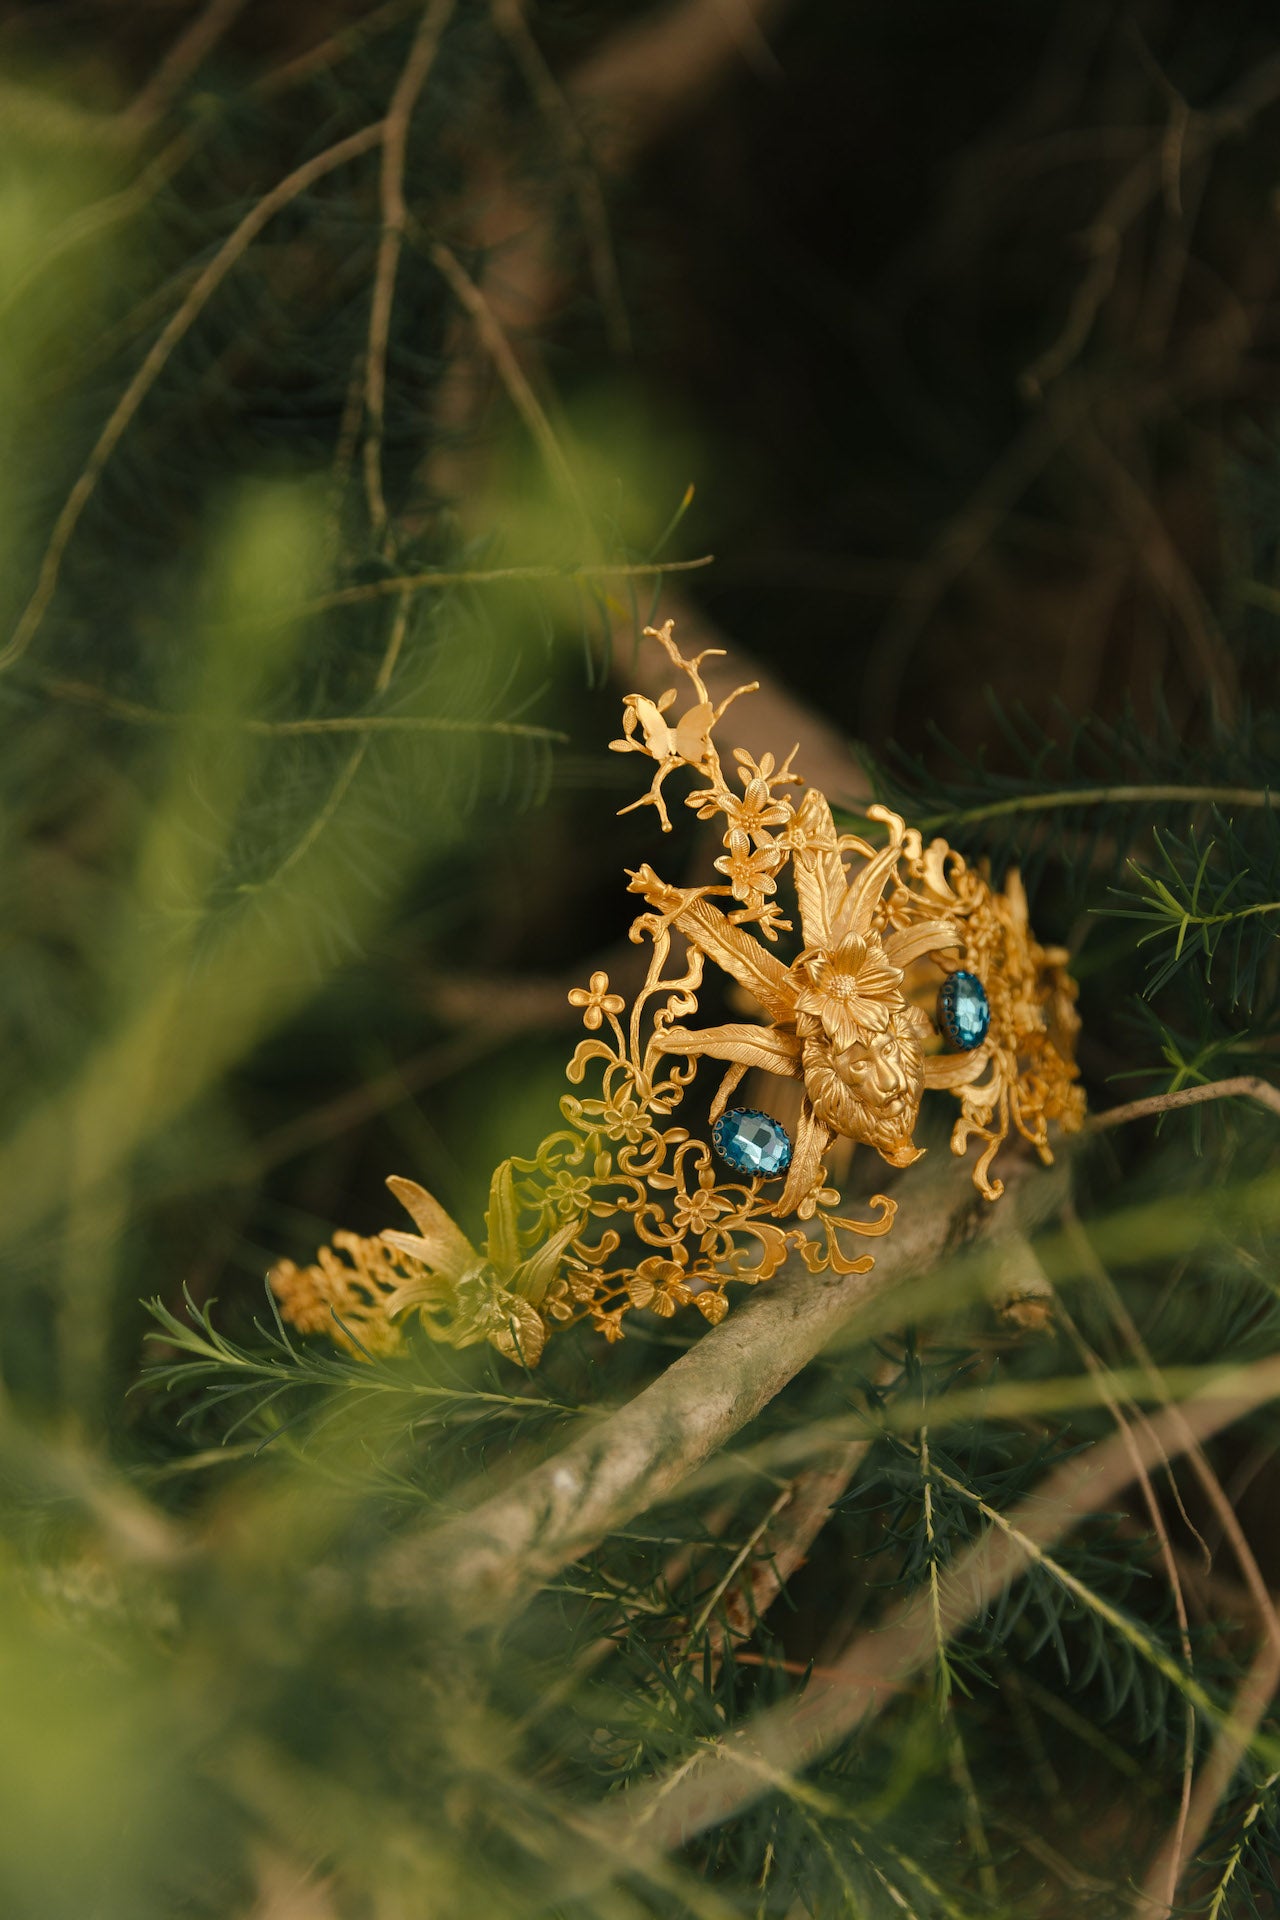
x,y
489,1560
1245,1086
723,1779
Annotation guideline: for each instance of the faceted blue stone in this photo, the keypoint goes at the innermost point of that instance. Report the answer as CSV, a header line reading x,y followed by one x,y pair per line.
x,y
752,1142
964,1012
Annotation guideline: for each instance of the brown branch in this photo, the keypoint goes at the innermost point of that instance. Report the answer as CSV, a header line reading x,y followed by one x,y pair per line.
x,y
783,1546
1192,137
1245,1086
1256,1692
332,49
1268,1620
783,1542
395,217
557,111
1094,1365
659,67
187,53
624,96
733,1773
487,1560
1169,573
1160,1886
472,297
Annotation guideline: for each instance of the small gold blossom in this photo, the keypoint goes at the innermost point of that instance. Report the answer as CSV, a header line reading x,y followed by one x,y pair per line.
x,y
596,1001
620,1118
585,1283
819,1197
754,813
749,870
659,1284
569,1194
697,1211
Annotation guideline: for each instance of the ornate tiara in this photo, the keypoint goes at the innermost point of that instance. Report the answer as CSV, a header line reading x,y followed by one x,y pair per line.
x,y
911,972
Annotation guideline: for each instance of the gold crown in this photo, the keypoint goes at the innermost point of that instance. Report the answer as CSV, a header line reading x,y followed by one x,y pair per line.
x,y
882,931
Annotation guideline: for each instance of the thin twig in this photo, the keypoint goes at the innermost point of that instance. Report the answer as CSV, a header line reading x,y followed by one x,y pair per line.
x,y
439,580
1256,1692
472,298
101,214
1245,1086
333,48
784,1545
557,111
624,95
1161,1883
187,53
786,1739
206,285
1148,177
1123,1426
1082,1247
395,217
1169,572
1137,796
369,723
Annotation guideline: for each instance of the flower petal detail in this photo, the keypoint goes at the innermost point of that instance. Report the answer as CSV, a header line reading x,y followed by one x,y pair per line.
x,y
445,1248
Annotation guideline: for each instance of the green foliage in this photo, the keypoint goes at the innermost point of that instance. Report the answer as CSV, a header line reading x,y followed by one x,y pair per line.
x,y
303,789
1211,898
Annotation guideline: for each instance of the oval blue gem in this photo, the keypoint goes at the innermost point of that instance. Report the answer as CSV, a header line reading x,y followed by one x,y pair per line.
x,y
964,1012
752,1142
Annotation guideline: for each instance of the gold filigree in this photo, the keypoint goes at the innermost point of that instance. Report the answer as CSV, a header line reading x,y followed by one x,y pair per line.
x,y
345,1294
879,928
1023,1074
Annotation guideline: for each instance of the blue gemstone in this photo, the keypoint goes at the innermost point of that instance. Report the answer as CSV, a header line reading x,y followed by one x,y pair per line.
x,y
964,1012
752,1142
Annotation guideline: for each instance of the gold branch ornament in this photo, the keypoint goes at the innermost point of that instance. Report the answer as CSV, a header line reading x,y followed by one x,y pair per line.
x,y
907,971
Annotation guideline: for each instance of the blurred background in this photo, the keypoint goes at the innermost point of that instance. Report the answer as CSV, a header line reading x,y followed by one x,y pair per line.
x,y
369,376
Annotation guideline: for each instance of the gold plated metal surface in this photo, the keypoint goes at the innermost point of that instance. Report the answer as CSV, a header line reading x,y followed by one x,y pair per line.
x,y
625,1207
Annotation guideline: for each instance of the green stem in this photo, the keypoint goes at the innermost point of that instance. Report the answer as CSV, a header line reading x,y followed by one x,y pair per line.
x,y
1100,796
482,577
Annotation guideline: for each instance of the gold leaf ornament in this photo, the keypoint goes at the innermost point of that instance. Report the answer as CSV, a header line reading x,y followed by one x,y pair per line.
x,y
877,928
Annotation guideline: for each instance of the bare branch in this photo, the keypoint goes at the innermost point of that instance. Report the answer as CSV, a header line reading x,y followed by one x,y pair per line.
x,y
413,78
764,1757
1245,1086
1256,1692
486,1561
187,53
